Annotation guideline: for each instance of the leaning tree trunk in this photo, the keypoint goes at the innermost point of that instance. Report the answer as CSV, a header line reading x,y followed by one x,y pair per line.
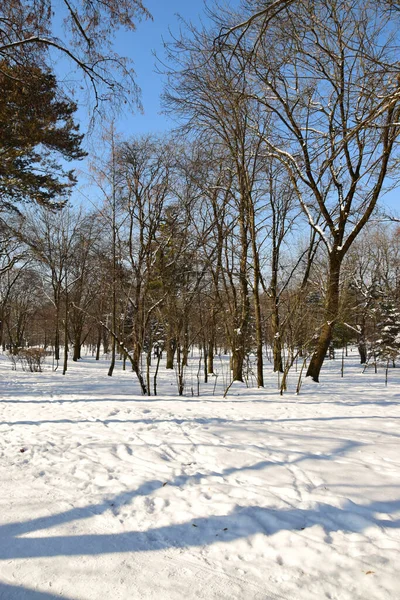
x,y
331,313
135,362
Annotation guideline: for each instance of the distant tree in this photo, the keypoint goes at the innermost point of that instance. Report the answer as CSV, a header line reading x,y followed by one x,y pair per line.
x,y
52,238
387,346
23,301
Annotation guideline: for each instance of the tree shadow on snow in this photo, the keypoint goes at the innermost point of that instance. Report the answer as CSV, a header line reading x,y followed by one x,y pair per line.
x,y
241,523
16,592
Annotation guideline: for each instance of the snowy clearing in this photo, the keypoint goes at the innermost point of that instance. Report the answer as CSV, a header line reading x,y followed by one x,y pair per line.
x,y
107,494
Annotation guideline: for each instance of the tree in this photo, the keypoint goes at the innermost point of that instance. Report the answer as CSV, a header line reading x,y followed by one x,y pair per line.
x,y
143,167
37,134
28,30
328,73
387,347
52,236
83,280
213,94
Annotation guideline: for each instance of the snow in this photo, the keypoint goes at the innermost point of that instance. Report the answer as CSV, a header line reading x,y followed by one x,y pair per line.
x,y
109,494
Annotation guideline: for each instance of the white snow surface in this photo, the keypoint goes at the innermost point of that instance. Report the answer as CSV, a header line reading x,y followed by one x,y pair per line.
x,y
106,494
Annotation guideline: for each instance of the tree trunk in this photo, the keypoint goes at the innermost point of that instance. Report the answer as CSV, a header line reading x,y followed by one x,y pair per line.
x,y
135,362
210,357
114,263
2,342
275,321
277,340
205,354
362,345
185,350
180,376
331,313
77,346
65,367
98,344
240,333
238,356
258,320
106,340
256,293
57,336
148,365
171,348
362,349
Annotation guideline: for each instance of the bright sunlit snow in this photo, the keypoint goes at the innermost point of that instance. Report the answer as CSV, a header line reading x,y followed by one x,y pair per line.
x,y
106,494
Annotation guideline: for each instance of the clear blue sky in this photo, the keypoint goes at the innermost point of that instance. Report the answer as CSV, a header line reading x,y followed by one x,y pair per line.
x,y
140,46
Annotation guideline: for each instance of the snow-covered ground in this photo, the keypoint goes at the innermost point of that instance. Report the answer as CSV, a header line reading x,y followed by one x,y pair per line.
x,y
106,494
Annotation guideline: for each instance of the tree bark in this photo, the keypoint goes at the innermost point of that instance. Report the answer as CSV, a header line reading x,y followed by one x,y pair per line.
x,y
277,340
331,313
362,349
238,355
210,356
171,348
77,345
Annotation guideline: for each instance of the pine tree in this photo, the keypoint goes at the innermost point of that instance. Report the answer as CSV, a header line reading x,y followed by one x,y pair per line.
x,y
37,135
387,347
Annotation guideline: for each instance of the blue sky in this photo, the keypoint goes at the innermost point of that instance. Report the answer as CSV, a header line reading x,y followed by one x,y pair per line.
x,y
141,45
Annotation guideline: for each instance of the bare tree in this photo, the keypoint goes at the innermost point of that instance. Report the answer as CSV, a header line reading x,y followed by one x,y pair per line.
x,y
327,71
145,166
213,95
51,238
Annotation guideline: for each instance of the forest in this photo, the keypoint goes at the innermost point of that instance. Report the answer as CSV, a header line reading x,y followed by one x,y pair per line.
x,y
254,230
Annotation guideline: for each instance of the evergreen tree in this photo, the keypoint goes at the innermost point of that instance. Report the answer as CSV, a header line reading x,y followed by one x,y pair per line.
x,y
387,347
37,136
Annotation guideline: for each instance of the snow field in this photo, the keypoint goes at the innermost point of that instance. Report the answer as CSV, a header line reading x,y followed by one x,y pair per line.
x,y
109,494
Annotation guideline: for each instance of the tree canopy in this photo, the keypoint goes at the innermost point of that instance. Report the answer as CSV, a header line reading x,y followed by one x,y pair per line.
x,y
82,31
37,135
